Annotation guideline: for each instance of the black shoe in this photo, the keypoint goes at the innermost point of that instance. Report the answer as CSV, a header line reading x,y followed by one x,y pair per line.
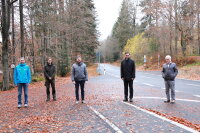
x,y
47,100
54,99
167,101
131,100
125,100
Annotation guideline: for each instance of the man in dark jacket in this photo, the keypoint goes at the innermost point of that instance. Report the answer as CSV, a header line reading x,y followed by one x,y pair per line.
x,y
49,74
78,76
169,72
128,75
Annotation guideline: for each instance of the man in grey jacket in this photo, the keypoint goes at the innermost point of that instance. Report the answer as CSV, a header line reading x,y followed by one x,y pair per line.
x,y
78,76
169,73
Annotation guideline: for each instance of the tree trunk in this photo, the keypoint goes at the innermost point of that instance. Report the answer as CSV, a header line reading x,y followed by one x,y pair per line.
x,y
32,45
176,27
198,24
21,27
5,38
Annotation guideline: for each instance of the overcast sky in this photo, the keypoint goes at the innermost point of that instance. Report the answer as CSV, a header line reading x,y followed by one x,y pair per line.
x,y
108,12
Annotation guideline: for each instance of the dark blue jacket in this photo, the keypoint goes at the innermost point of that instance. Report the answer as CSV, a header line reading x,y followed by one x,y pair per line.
x,y
169,71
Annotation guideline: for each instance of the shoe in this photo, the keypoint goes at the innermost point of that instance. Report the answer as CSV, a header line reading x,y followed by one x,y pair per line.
x,y
25,105
167,101
77,102
47,100
131,100
19,106
173,101
83,101
54,99
125,100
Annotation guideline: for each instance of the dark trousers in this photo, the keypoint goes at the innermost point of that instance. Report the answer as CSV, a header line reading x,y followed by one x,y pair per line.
x,y
82,85
51,83
128,83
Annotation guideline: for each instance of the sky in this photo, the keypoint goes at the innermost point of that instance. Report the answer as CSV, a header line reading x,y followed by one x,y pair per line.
x,y
108,12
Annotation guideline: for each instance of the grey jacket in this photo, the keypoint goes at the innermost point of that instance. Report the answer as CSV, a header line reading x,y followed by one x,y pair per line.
x,y
169,71
79,72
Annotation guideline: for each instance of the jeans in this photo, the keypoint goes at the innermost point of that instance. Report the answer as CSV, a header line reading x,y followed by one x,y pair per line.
x,y
25,87
81,84
128,83
170,85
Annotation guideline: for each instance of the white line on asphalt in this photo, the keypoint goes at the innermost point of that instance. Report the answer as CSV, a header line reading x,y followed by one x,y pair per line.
x,y
194,85
163,118
148,84
162,98
197,95
113,126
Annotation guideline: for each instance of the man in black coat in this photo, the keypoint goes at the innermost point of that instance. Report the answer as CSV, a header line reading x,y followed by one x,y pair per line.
x,y
128,75
49,74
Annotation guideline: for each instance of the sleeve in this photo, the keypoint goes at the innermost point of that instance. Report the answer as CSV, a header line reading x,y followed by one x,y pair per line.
x,y
163,72
121,71
45,73
133,69
54,72
175,70
15,76
29,75
86,73
72,73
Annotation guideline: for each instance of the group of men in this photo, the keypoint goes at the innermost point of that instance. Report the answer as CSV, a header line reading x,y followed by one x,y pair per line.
x,y
79,75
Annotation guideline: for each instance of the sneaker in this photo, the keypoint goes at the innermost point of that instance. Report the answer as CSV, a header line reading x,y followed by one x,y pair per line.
x,y
125,100
173,101
25,105
77,102
131,100
83,101
167,101
19,106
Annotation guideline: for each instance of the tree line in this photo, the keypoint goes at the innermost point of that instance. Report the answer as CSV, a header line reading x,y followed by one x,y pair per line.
x,y
37,29
166,27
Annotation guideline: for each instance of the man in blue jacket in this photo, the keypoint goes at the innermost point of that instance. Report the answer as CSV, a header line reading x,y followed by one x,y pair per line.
x,y
22,77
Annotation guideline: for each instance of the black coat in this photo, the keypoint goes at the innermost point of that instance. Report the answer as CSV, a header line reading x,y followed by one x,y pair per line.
x,y
49,71
128,69
169,72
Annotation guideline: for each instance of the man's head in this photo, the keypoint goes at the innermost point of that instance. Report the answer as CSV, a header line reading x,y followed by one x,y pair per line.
x,y
127,55
78,59
49,60
168,59
22,60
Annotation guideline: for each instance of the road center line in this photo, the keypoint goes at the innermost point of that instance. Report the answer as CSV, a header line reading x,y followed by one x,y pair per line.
x,y
148,84
163,118
194,85
113,126
197,95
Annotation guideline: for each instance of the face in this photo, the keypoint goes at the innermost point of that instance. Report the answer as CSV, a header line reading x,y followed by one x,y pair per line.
x,y
79,59
167,61
49,61
22,61
127,56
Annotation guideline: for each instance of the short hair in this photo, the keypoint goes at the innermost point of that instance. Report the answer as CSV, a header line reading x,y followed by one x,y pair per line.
x,y
78,57
168,57
49,58
127,53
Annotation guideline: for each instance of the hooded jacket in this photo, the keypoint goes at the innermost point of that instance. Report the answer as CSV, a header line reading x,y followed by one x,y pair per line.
x,y
22,74
79,72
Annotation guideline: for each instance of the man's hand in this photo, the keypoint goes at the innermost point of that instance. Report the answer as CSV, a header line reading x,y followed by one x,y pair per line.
x,y
50,78
133,78
73,82
122,78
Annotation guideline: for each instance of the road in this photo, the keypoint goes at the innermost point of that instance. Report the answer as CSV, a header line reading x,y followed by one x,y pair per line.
x,y
105,111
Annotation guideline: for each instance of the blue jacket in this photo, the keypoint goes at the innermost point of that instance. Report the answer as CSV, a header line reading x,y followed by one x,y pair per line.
x,y
22,74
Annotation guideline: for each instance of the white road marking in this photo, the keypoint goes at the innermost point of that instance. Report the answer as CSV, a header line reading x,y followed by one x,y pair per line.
x,y
113,126
193,85
162,98
163,118
197,95
148,84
